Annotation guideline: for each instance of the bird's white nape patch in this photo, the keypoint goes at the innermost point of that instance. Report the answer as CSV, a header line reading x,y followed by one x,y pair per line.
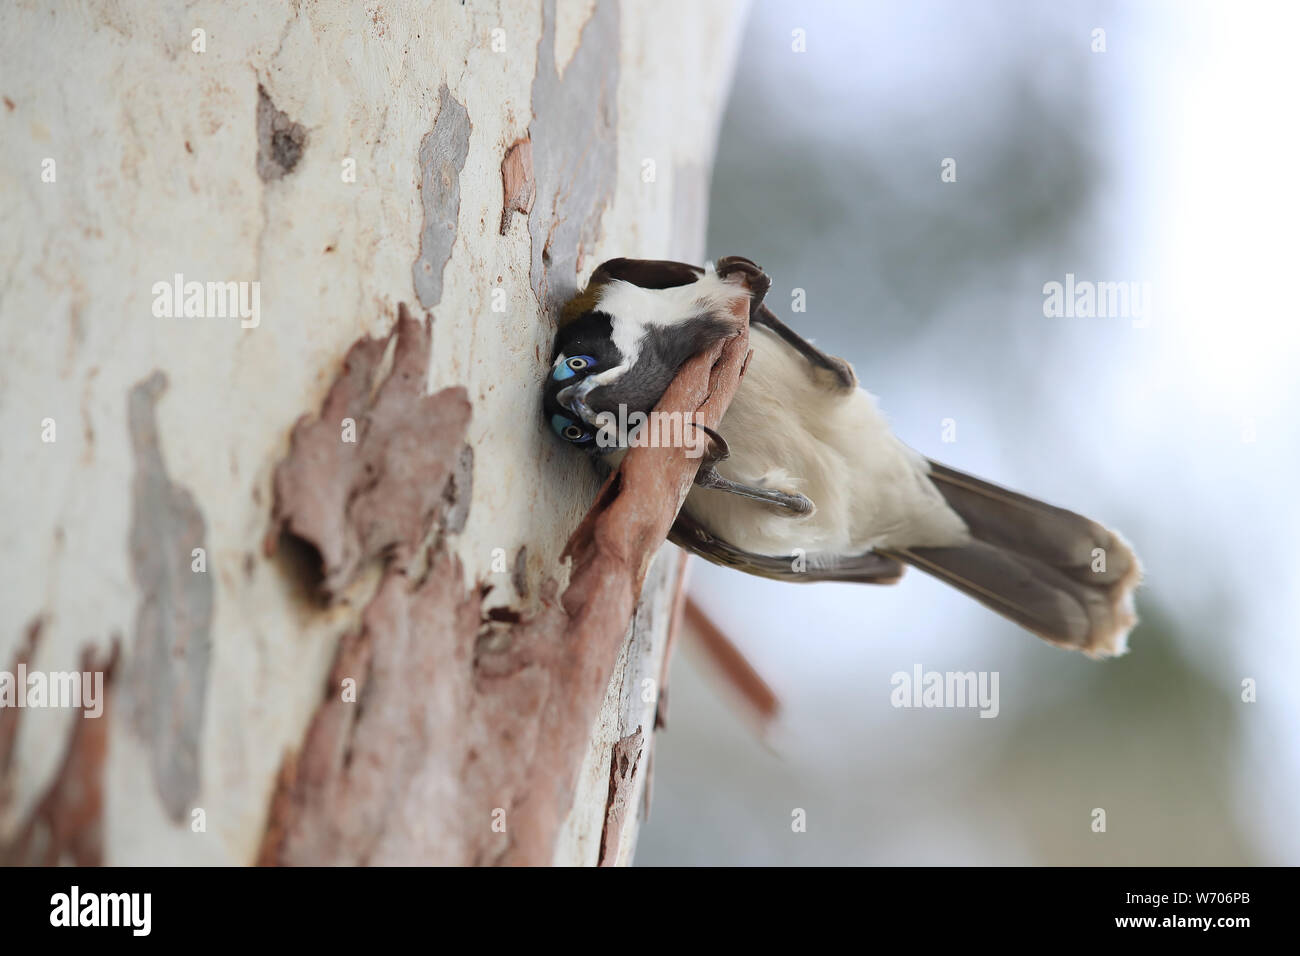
x,y
635,310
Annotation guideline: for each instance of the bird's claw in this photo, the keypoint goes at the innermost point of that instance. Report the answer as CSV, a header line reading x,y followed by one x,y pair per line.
x,y
720,450
756,280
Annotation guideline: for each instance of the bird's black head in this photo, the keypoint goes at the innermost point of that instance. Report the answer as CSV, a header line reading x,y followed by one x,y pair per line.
x,y
658,326
583,348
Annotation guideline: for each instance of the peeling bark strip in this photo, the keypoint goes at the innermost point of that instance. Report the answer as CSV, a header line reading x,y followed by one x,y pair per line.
x,y
66,824
757,696
674,629
431,754
644,659
623,764
382,780
517,182
280,141
442,157
459,751
611,550
173,643
10,719
574,137
9,716
378,494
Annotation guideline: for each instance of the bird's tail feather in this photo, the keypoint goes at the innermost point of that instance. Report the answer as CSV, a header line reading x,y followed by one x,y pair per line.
x,y
1056,573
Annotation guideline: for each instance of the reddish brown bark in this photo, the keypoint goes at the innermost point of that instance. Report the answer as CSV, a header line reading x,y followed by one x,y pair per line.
x,y
467,733
65,825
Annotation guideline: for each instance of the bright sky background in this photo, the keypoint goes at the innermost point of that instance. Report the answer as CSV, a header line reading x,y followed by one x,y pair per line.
x,y
1183,434
1224,204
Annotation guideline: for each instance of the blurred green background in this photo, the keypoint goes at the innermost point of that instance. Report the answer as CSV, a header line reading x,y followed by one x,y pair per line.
x,y
1114,166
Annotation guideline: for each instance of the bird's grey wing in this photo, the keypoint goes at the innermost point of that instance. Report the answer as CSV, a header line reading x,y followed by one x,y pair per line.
x,y
867,568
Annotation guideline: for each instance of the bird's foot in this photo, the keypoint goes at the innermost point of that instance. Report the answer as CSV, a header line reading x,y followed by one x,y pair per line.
x,y
750,275
717,448
789,503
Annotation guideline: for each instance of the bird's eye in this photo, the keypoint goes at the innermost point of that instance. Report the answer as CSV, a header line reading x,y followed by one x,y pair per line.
x,y
572,366
569,430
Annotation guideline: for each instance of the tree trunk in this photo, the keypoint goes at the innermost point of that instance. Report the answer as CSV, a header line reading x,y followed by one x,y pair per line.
x,y
278,306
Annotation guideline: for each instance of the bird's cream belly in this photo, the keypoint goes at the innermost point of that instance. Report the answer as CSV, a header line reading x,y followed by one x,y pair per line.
x,y
789,432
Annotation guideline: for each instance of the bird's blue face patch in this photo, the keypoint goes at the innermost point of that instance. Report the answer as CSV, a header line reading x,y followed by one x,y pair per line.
x,y
569,367
570,430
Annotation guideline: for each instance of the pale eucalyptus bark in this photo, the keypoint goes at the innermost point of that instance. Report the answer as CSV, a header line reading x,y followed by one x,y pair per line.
x,y
346,159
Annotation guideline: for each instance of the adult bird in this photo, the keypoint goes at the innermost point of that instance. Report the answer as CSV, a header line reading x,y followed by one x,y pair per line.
x,y
806,481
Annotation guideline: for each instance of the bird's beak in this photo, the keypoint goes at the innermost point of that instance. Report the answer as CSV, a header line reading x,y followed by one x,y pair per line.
x,y
574,398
